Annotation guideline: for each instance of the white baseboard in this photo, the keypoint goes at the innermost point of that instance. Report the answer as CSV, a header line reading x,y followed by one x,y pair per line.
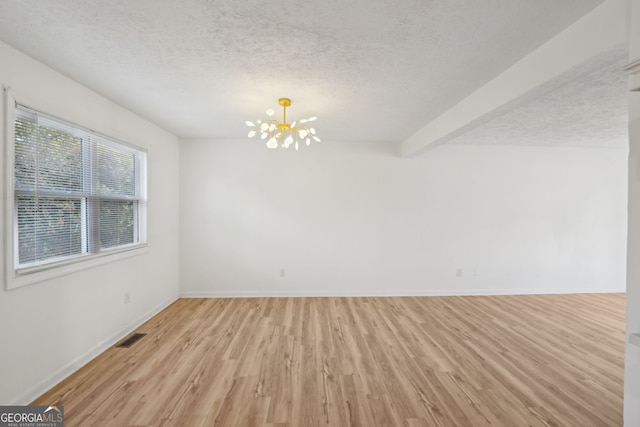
x,y
394,293
37,391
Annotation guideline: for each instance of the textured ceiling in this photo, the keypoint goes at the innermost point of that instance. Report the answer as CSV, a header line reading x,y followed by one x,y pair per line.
x,y
371,70
587,106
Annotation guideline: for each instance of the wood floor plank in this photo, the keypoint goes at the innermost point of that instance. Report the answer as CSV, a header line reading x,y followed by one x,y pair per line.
x,y
538,360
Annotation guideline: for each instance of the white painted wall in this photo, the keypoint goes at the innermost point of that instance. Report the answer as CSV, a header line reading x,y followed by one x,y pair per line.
x,y
49,329
355,219
632,357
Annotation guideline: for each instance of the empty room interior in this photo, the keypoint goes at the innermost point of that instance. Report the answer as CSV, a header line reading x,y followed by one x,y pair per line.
x,y
237,213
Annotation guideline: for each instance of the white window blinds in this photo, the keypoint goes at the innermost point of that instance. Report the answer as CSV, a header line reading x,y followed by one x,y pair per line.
x,y
76,192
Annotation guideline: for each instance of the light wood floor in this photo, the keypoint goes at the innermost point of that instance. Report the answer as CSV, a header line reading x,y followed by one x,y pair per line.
x,y
431,361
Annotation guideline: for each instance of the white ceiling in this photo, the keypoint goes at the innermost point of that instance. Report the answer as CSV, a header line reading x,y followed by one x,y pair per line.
x,y
374,70
586,107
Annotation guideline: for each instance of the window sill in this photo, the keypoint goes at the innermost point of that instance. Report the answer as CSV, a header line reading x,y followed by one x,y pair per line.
x,y
32,275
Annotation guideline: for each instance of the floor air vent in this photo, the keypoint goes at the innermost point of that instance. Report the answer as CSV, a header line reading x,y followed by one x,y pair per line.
x,y
131,340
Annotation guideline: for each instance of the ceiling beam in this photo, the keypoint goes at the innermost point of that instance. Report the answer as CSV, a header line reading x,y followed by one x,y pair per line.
x,y
599,31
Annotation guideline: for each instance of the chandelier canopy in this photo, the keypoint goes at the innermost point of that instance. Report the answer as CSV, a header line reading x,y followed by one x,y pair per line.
x,y
283,134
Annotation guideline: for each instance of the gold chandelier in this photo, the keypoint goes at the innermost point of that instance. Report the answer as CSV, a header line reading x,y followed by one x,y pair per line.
x,y
283,134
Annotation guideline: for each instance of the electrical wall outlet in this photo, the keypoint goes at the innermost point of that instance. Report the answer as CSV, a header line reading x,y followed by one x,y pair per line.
x,y
127,297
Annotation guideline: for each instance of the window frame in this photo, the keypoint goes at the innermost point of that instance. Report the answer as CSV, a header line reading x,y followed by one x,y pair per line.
x,y
21,276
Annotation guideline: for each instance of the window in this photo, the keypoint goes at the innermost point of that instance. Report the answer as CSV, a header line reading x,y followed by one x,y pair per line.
x,y
76,194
